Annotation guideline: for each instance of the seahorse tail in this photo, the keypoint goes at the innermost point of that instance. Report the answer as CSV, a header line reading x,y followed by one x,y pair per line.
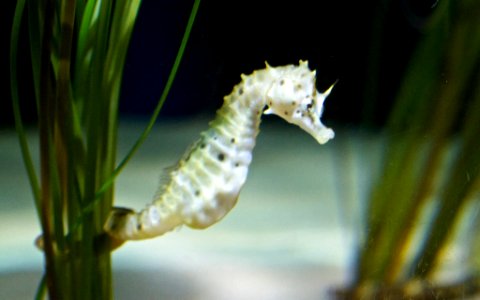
x,y
121,223
156,219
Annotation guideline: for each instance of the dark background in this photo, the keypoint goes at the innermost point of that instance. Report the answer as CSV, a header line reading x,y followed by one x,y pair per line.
x,y
364,44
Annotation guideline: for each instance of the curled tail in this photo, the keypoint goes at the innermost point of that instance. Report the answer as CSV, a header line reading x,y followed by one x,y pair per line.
x,y
126,224
121,222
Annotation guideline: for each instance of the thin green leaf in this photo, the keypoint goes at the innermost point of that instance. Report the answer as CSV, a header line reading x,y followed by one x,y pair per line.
x,y
36,10
42,288
159,106
27,157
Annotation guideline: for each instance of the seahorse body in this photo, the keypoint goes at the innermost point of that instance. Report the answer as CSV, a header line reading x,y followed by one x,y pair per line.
x,y
206,182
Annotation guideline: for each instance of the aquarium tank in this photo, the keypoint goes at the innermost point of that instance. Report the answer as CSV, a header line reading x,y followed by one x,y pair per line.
x,y
217,150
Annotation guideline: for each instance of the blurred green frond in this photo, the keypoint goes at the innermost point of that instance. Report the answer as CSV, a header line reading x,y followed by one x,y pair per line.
x,y
78,51
436,114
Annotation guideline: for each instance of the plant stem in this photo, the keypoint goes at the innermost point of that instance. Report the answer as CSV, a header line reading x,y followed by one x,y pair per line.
x,y
77,92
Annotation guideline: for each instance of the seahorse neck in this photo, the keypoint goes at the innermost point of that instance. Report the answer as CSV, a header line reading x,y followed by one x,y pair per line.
x,y
244,106
251,91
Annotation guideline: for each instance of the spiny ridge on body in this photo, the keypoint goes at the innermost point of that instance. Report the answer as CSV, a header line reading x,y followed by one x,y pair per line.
x,y
205,184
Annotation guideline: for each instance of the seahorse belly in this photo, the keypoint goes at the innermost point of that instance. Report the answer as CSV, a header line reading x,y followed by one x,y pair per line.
x,y
221,159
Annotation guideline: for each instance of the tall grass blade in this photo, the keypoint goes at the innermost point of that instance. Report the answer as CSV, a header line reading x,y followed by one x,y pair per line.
x,y
26,154
161,101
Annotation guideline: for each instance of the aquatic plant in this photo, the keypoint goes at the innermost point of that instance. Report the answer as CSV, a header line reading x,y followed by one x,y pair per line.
x,y
429,183
77,51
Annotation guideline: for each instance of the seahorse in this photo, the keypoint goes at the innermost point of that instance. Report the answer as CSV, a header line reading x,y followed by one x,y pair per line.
x,y
205,183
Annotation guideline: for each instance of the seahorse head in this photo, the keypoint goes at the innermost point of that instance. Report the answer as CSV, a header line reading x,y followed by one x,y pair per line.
x,y
293,96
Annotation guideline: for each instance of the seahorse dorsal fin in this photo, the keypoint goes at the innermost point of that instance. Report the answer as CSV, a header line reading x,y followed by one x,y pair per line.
x,y
164,178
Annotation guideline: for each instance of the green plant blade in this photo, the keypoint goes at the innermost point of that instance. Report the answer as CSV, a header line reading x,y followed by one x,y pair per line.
x,y
161,101
27,157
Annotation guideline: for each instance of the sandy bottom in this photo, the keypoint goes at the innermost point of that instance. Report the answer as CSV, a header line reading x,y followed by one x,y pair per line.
x,y
289,237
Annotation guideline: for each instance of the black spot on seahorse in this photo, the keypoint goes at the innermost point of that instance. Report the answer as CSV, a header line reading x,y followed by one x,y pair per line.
x,y
221,157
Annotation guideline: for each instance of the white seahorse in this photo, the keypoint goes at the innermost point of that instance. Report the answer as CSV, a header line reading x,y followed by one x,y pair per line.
x,y
206,182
